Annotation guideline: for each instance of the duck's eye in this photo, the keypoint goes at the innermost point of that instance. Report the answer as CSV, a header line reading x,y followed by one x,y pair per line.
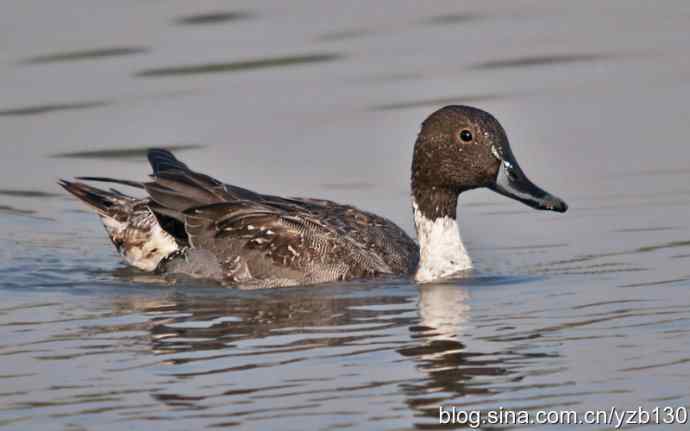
x,y
465,135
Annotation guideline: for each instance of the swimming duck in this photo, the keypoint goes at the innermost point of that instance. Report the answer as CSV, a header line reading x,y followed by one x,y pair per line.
x,y
193,224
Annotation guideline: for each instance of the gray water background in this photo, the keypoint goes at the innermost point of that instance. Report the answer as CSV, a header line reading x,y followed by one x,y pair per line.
x,y
585,310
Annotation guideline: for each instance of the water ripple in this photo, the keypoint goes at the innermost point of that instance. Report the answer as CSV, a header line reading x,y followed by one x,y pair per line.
x,y
90,54
540,60
240,66
121,153
210,18
52,107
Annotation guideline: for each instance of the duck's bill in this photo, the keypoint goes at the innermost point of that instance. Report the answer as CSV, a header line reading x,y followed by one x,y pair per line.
x,y
513,183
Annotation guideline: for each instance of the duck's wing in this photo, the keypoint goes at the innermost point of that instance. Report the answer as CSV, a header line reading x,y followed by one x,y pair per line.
x,y
329,233
256,241
255,236
378,234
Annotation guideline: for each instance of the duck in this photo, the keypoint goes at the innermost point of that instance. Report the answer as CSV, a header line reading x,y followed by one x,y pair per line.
x,y
192,224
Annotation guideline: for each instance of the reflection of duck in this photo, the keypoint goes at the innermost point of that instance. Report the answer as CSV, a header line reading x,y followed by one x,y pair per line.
x,y
213,320
299,339
194,224
441,353
443,309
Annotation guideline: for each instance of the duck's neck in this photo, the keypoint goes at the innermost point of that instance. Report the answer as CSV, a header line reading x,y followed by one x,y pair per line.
x,y
441,252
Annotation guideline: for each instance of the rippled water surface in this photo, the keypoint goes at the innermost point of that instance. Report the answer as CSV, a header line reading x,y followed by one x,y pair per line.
x,y
584,310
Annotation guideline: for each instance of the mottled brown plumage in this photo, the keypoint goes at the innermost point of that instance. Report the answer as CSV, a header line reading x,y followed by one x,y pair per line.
x,y
240,237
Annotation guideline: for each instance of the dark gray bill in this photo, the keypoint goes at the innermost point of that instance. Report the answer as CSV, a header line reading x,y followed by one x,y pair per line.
x,y
512,182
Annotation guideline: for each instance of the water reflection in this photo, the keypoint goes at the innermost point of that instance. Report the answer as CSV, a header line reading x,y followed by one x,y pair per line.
x,y
219,17
15,211
459,100
443,310
220,333
214,356
90,54
352,185
595,263
340,35
239,66
303,318
52,107
15,193
540,60
443,352
453,18
122,153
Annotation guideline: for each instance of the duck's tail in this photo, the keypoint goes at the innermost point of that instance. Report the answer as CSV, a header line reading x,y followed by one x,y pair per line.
x,y
131,225
107,203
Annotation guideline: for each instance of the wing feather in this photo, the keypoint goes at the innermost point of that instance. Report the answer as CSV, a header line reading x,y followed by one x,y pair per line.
x,y
281,239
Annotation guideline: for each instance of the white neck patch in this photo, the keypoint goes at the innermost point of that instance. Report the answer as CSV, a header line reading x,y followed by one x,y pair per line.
x,y
441,252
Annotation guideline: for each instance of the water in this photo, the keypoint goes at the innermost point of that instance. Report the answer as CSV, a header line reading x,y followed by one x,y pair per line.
x,y
585,310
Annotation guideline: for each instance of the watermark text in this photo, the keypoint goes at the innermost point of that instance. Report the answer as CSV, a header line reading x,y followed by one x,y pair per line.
x,y
616,418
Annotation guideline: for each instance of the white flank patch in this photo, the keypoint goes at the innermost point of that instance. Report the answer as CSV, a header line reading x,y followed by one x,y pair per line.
x,y
161,241
155,243
441,252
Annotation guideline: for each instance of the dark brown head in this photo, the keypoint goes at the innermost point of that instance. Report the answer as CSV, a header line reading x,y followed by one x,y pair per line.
x,y
462,148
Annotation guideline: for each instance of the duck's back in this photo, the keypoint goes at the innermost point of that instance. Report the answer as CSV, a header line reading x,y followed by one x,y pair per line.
x,y
250,239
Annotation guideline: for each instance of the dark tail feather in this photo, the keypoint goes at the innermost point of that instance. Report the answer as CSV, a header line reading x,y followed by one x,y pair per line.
x,y
163,160
104,202
170,199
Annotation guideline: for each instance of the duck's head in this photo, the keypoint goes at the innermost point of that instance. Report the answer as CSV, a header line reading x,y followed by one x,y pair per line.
x,y
462,148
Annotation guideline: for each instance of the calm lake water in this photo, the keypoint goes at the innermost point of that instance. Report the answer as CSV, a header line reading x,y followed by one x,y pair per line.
x,y
584,310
